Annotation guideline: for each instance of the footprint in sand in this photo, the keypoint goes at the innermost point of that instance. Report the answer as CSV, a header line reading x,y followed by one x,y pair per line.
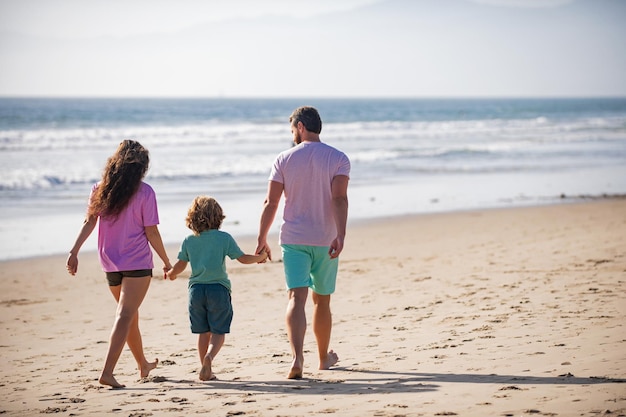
x,y
179,400
20,302
54,410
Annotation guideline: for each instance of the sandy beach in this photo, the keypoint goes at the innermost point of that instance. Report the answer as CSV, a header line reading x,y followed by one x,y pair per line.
x,y
508,312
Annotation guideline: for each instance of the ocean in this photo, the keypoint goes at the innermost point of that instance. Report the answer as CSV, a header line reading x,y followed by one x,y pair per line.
x,y
408,156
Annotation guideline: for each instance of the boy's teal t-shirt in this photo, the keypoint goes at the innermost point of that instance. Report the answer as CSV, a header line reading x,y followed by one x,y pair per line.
x,y
207,253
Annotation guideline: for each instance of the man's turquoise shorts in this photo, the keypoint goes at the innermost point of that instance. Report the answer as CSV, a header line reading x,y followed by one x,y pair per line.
x,y
310,266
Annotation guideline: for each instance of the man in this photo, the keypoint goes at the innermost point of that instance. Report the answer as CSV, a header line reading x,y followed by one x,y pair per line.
x,y
314,178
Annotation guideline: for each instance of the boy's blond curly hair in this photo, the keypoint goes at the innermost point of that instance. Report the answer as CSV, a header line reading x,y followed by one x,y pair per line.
x,y
205,213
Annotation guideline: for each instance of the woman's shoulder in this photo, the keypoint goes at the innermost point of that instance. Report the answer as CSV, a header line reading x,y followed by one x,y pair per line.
x,y
145,186
145,189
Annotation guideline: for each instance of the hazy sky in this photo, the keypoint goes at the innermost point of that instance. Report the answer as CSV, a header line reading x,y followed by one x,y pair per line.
x,y
347,48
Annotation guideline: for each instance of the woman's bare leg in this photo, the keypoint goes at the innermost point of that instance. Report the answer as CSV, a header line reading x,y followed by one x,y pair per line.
x,y
131,295
134,341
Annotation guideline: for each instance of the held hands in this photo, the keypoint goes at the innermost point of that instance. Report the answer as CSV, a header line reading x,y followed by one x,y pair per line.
x,y
169,274
263,248
166,271
173,271
265,255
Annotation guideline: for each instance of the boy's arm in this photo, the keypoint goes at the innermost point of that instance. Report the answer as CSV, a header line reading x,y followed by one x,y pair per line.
x,y
252,259
178,267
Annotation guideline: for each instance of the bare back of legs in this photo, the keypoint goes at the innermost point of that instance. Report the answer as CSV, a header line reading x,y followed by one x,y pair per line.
x,y
296,329
129,297
322,327
209,344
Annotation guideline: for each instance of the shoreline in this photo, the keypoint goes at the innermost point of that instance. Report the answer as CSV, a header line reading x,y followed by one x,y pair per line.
x,y
89,246
512,312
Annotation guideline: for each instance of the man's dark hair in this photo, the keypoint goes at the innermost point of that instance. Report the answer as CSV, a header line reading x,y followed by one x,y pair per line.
x,y
309,117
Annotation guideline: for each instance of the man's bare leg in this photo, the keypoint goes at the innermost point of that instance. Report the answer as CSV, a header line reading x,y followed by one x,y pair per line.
x,y
296,329
322,327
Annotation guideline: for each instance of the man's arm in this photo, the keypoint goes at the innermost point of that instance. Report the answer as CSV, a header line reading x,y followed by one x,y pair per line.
x,y
339,188
270,207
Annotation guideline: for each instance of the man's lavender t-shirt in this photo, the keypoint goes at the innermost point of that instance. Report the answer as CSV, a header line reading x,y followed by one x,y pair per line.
x,y
122,241
306,172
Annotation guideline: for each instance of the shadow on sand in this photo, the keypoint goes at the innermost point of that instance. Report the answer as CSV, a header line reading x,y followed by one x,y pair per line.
x,y
359,381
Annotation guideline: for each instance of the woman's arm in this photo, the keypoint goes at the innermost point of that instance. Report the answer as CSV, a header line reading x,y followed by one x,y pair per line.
x,y
72,260
154,237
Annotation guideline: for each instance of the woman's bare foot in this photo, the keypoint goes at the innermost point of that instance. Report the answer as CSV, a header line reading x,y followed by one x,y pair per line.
x,y
110,381
296,370
206,374
295,373
331,359
145,369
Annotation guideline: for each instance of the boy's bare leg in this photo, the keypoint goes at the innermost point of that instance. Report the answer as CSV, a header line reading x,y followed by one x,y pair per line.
x,y
203,344
322,327
296,329
209,345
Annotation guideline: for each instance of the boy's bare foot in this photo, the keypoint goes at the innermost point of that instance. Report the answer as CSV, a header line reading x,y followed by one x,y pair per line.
x,y
147,367
110,381
331,359
206,374
296,371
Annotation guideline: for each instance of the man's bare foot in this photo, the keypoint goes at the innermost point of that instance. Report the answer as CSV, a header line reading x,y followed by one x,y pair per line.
x,y
147,367
206,374
331,359
296,370
110,381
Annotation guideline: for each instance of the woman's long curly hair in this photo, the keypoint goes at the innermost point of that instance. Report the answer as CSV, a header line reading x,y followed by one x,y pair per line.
x,y
205,213
121,179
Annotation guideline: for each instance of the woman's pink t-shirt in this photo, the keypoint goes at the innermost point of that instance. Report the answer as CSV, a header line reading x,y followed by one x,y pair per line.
x,y
122,241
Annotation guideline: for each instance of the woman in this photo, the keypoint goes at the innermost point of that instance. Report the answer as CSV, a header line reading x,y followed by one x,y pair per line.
x,y
127,210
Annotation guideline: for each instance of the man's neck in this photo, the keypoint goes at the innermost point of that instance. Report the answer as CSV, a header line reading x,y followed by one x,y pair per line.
x,y
311,137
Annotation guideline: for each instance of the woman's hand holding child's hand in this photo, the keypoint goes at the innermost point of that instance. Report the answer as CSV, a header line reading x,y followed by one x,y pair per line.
x,y
169,274
166,269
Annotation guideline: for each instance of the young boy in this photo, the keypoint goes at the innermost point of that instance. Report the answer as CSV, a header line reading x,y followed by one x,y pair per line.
x,y
210,308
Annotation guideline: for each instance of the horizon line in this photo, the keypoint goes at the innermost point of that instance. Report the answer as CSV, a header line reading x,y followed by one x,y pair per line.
x,y
347,97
